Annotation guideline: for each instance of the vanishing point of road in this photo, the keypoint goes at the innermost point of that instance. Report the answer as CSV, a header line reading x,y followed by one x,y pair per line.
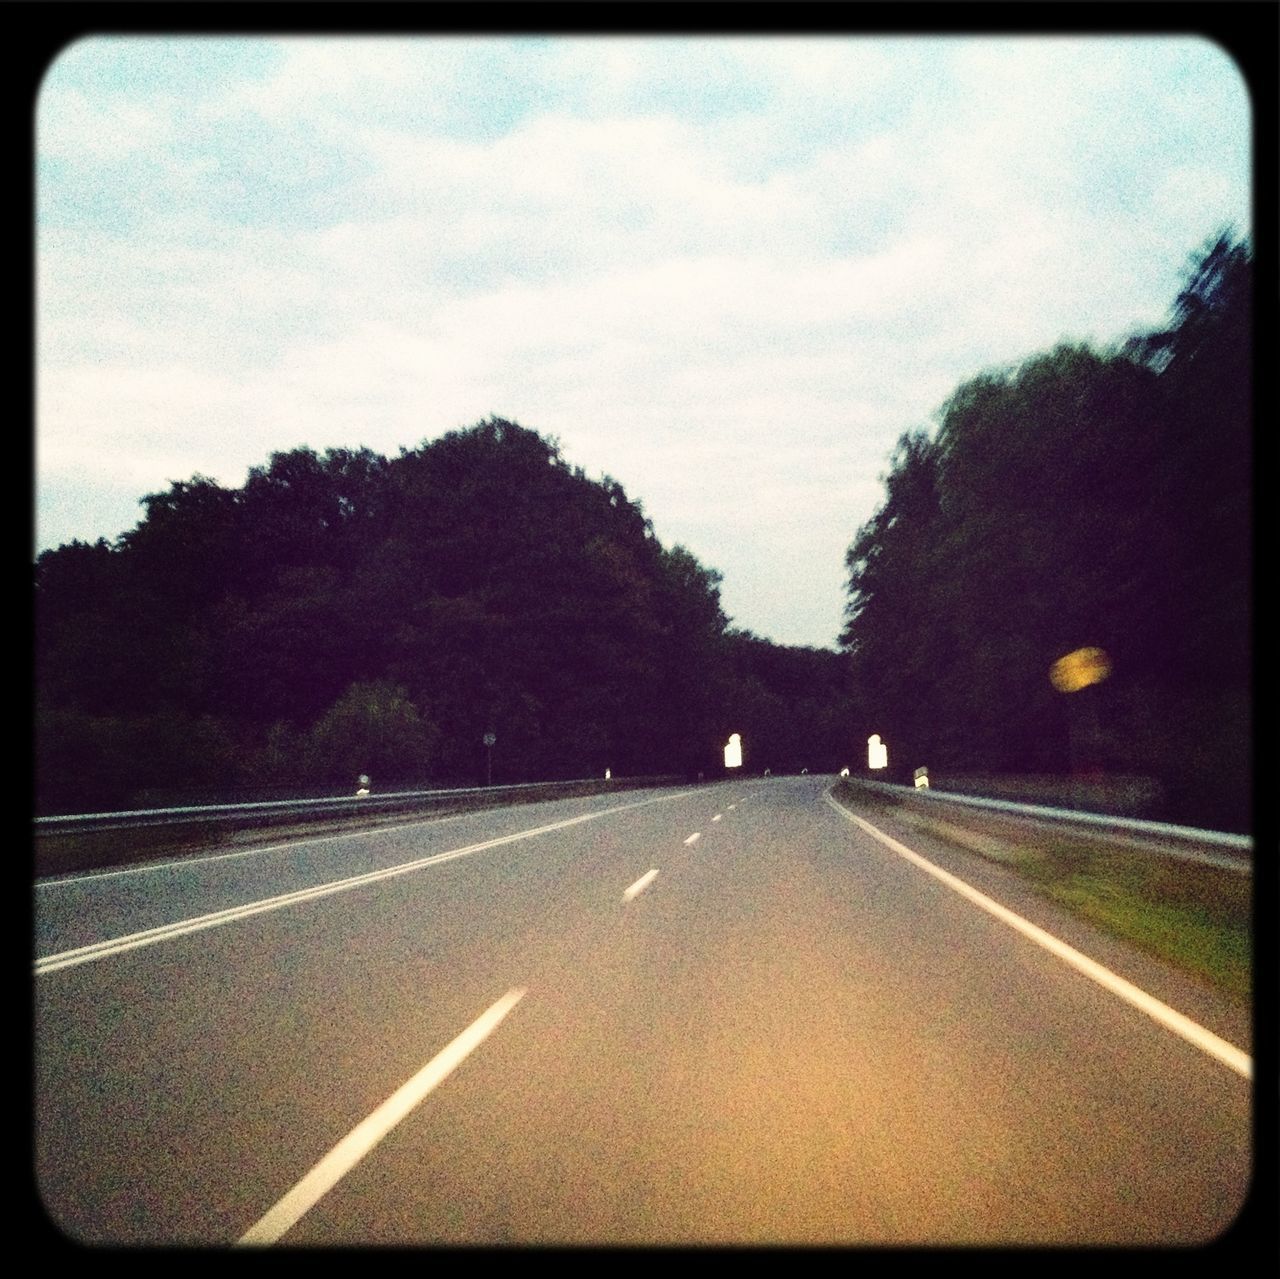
x,y
729,1014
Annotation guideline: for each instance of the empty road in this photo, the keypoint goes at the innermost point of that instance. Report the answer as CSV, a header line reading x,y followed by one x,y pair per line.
x,y
731,1014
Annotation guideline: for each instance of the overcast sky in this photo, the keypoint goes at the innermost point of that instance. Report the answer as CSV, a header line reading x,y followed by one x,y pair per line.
x,y
728,272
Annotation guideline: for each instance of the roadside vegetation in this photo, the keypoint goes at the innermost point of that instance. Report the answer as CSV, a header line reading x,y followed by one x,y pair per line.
x,y
1084,498
1196,917
347,614
476,609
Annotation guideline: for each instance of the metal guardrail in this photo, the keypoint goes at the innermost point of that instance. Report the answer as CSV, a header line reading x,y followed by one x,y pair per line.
x,y
320,807
1188,843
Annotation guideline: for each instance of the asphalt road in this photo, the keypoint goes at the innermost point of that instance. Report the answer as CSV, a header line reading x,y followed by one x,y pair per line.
x,y
791,1033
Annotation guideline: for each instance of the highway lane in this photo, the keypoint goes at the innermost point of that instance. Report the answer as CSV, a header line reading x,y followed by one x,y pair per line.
x,y
81,910
789,1034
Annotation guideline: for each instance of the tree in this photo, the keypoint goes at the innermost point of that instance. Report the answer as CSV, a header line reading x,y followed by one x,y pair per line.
x,y
372,729
309,616
1083,497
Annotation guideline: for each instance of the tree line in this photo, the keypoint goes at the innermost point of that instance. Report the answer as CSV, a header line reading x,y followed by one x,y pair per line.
x,y
344,614
1083,498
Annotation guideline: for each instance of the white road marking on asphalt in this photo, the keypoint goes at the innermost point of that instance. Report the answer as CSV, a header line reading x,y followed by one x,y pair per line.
x,y
1171,1019
179,862
717,817
640,885
365,1135
149,936
732,807
693,839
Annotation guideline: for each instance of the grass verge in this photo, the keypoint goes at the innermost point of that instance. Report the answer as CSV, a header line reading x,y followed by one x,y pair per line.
x,y
1199,918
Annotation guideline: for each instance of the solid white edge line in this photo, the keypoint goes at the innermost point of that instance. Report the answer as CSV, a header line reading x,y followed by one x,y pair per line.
x,y
147,937
693,839
1170,1018
640,885
179,863
371,1130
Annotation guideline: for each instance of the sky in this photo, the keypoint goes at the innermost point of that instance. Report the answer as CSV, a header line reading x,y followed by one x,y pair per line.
x,y
727,272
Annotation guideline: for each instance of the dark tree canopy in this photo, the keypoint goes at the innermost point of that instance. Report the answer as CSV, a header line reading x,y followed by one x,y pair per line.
x,y
1083,498
345,613
343,606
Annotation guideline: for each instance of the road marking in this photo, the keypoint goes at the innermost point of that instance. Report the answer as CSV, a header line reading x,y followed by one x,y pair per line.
x,y
717,817
1171,1019
732,807
640,885
365,1135
289,845
693,839
149,936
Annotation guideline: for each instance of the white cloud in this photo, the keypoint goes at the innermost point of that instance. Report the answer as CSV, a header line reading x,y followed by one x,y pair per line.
x,y
324,77
75,127
730,273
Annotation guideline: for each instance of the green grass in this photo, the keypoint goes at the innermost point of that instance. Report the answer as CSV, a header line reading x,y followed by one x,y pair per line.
x,y
1196,917
1188,936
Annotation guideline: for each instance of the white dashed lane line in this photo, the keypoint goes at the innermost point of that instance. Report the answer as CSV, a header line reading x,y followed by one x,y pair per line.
x,y
640,885
693,839
179,928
